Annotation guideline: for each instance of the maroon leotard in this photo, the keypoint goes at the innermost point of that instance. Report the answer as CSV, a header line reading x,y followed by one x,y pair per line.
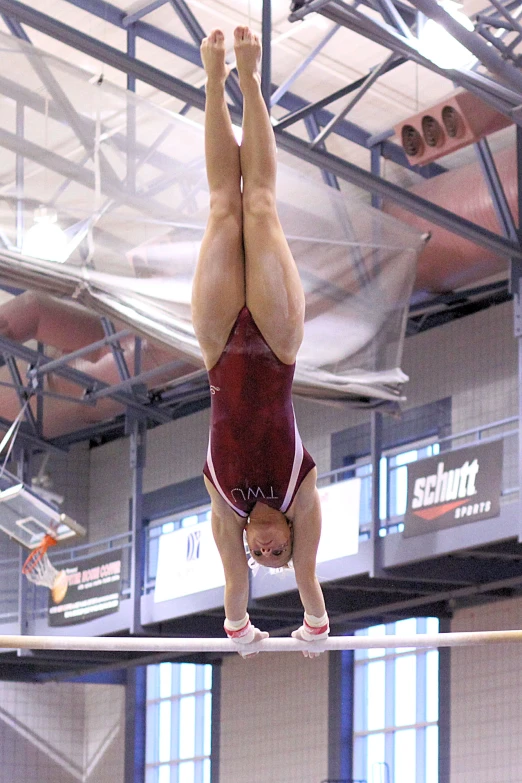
x,y
255,452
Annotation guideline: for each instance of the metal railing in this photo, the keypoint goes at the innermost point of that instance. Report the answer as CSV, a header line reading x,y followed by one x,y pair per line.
x,y
505,429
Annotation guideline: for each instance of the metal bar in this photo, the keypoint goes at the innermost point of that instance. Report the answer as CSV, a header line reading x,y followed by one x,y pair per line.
x,y
38,390
141,378
116,349
138,441
266,57
190,22
20,391
53,364
187,51
376,452
75,121
285,86
393,17
82,379
496,190
381,33
375,168
311,108
274,644
369,82
313,129
41,393
34,441
492,21
495,64
142,9
515,24
130,146
101,51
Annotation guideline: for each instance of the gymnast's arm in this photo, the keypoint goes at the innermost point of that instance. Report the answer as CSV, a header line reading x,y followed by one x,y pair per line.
x,y
306,518
227,529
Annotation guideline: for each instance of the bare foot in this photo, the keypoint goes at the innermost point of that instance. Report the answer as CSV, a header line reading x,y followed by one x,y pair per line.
x,y
213,56
247,47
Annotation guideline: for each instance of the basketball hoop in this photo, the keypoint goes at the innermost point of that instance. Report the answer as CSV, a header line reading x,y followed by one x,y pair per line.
x,y
39,570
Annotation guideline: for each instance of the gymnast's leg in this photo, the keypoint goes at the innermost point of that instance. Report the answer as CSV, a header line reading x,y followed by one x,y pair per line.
x,y
274,294
219,283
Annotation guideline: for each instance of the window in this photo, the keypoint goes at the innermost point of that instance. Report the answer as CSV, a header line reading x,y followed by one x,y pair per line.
x,y
393,487
179,717
396,708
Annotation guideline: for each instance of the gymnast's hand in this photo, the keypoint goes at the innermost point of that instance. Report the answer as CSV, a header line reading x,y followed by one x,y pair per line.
x,y
313,629
243,633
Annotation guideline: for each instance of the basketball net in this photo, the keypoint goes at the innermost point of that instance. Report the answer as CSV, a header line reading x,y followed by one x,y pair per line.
x,y
38,568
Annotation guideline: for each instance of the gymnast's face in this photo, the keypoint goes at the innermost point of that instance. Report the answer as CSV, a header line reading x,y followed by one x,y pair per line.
x,y
269,537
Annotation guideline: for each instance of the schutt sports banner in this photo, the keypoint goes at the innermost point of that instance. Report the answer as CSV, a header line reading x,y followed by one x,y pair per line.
x,y
454,488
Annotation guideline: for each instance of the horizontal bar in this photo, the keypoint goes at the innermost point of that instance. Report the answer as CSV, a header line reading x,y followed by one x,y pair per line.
x,y
168,644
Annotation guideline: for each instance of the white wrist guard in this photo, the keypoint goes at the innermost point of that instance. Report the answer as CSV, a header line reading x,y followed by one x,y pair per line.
x,y
315,629
241,631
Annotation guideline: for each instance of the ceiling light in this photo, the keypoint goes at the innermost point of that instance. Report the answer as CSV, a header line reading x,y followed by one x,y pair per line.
x,y
45,239
441,47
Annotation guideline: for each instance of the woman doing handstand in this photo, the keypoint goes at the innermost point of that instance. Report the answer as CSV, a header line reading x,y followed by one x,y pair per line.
x,y
248,314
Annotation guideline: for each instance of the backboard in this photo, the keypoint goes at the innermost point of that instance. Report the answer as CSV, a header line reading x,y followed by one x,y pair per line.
x,y
27,518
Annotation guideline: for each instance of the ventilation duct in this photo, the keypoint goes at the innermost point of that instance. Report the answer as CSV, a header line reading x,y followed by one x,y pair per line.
x,y
456,122
448,261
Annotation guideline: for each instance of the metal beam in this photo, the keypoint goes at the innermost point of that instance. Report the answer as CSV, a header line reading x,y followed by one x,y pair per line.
x,y
410,201
33,440
365,86
496,190
303,65
54,364
83,380
101,51
337,166
113,15
75,121
139,10
21,392
490,91
473,42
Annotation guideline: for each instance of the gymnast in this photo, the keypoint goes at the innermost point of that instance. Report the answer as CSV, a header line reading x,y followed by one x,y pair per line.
x,y
248,314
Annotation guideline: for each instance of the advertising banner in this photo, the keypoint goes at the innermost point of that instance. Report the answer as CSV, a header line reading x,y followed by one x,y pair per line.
x,y
188,562
86,591
454,488
340,505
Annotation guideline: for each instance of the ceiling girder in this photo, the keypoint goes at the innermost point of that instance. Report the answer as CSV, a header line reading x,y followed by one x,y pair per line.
x,y
301,149
291,102
83,380
497,95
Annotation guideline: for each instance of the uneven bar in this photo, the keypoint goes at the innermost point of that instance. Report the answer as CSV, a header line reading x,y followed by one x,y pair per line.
x,y
284,644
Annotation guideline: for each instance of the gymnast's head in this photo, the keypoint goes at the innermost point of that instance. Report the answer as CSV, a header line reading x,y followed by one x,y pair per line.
x,y
269,536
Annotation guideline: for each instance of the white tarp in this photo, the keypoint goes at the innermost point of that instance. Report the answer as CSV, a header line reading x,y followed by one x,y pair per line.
x,y
134,208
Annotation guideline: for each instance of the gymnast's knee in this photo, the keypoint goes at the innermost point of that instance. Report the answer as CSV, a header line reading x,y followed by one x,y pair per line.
x,y
259,202
225,205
